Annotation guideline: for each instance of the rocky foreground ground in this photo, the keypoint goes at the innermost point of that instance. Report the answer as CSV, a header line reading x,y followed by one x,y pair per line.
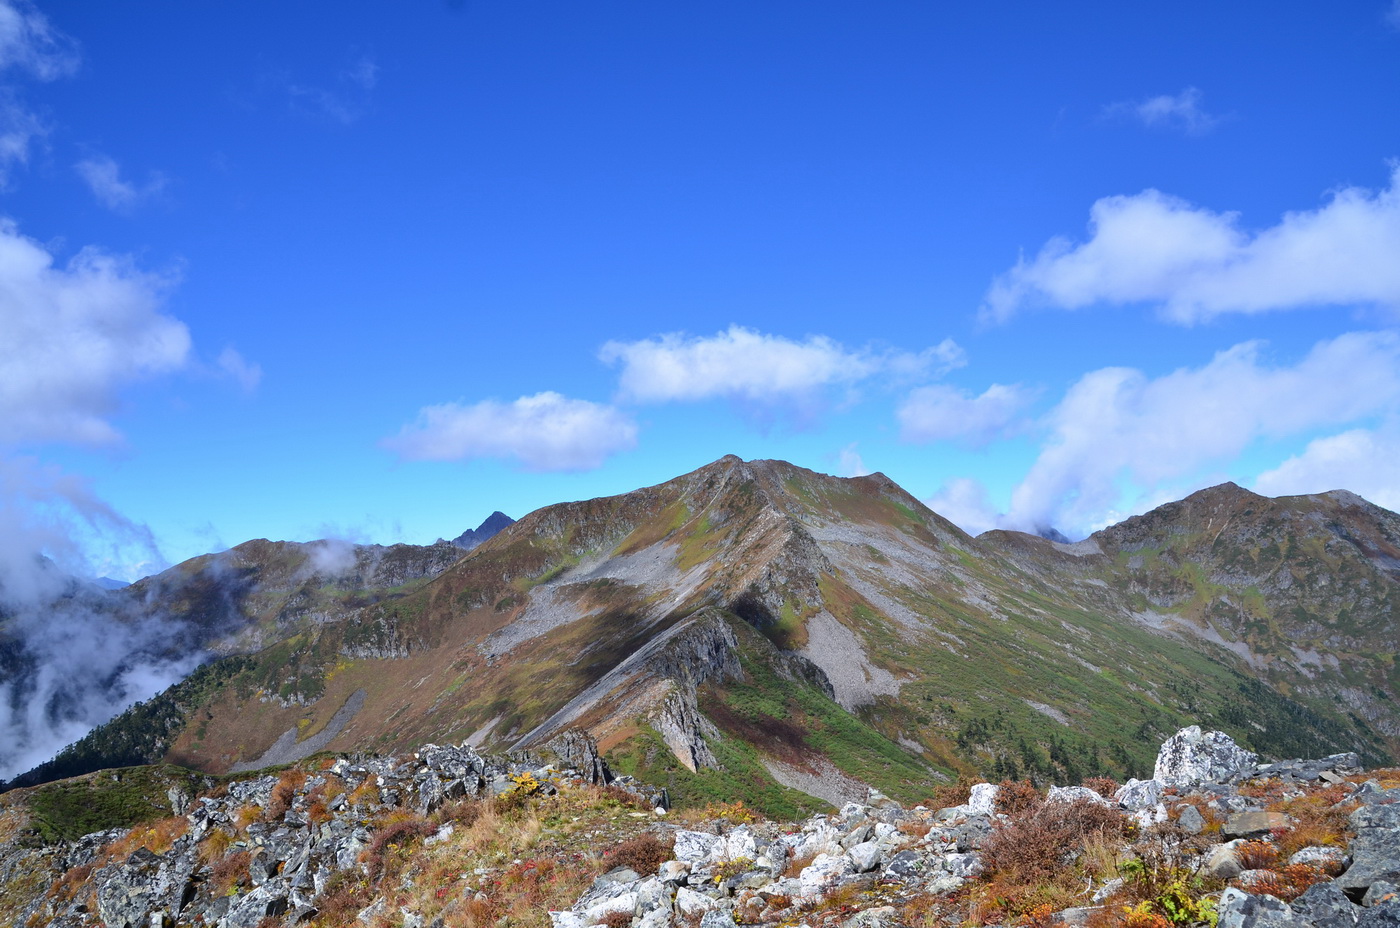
x,y
447,837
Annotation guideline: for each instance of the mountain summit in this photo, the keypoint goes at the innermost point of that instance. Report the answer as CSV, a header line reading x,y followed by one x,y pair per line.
x,y
753,628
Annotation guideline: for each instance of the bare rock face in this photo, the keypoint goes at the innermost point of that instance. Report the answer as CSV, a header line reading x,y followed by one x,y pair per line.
x,y
578,750
1192,757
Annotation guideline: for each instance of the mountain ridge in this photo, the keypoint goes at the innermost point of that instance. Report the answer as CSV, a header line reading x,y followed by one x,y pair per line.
x,y
756,621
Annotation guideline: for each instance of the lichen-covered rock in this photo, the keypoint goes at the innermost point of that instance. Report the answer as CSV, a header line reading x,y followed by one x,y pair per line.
x,y
1192,757
1139,794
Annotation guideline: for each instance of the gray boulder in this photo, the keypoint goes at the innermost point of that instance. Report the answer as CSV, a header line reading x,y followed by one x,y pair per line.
x,y
1192,757
1325,906
1375,853
1240,909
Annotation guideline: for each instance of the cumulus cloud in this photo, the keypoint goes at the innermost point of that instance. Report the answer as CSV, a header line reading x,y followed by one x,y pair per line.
x,y
103,177
759,369
30,43
1182,111
247,374
940,412
1117,426
544,432
1196,264
73,335
1360,460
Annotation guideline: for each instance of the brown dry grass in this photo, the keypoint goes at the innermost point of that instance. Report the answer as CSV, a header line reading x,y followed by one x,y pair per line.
x,y
1257,855
1287,882
157,837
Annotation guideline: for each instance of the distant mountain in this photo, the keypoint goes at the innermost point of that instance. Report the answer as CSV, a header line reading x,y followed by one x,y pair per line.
x,y
755,628
473,537
107,583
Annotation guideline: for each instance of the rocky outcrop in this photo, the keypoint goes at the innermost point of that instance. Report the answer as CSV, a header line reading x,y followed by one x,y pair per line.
x,y
1192,757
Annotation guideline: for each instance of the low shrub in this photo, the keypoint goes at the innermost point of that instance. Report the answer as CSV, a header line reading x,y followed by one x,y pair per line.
x,y
1017,797
1036,847
645,854
231,872
396,834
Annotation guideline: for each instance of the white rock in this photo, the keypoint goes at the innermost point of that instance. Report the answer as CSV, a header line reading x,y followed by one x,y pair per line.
x,y
983,799
656,918
866,856
824,871
1139,794
694,846
674,871
1073,794
690,903
622,902
964,866
735,845
1192,757
566,919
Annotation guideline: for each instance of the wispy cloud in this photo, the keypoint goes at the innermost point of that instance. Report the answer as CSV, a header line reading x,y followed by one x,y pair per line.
x,y
851,463
543,432
74,335
30,47
103,177
247,374
1392,15
345,101
1182,112
1195,263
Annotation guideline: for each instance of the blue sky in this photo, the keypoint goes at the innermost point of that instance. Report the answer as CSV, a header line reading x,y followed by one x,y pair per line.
x,y
375,270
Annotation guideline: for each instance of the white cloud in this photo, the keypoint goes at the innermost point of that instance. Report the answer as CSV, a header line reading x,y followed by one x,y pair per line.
x,y
74,335
247,374
940,412
851,463
103,177
1118,428
1360,460
749,366
964,502
1196,264
1181,111
544,432
1392,15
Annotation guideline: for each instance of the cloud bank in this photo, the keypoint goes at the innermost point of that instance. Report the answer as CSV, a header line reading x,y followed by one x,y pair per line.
x,y
544,432
1196,264
1121,440
940,412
